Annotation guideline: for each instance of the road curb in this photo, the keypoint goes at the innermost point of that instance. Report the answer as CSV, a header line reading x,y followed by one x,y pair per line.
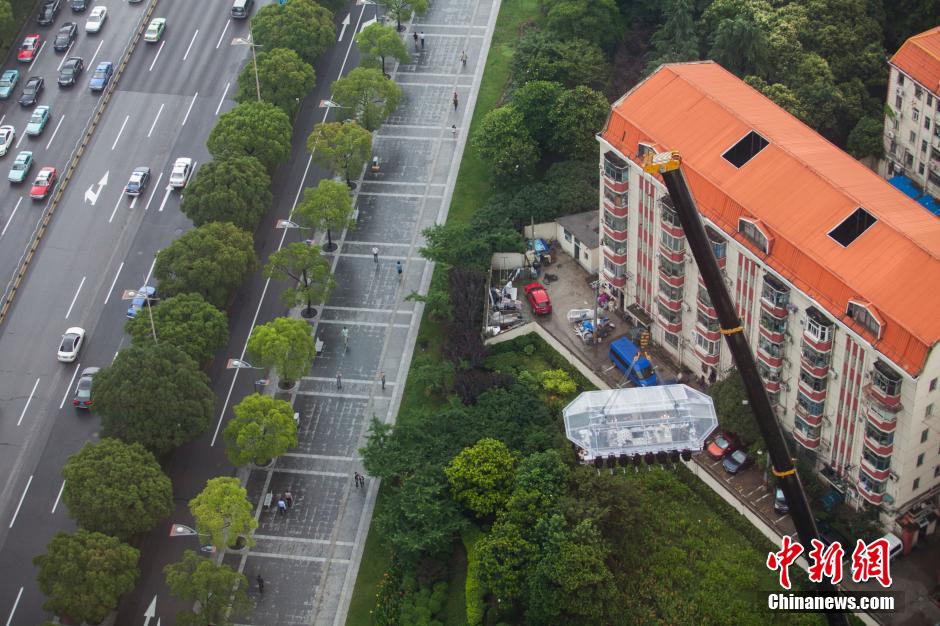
x,y
19,274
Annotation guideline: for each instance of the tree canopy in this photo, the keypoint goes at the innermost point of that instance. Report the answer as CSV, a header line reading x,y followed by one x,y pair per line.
x,y
577,115
307,268
263,428
540,56
503,141
340,147
376,42
211,260
186,321
222,593
326,206
255,129
283,77
457,244
300,25
402,9
285,344
569,19
367,95
481,476
116,488
155,395
733,411
234,189
223,512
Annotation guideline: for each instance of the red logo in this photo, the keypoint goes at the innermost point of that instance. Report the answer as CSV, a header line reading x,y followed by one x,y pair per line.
x,y
871,561
790,551
826,561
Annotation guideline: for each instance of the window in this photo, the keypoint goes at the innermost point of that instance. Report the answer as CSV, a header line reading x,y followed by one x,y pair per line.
x,y
898,103
619,200
775,291
615,223
769,347
929,99
920,169
897,123
915,114
863,316
913,137
668,315
908,157
672,339
643,149
672,293
886,379
920,459
894,147
900,79
923,146
876,460
719,245
927,123
918,92
567,235
924,435
810,381
933,384
753,233
818,325
814,358
617,271
676,244
617,247
870,484
707,346
936,471
669,215
766,372
704,298
879,437
811,407
771,323
615,168
670,268
852,227
745,150
916,484
809,432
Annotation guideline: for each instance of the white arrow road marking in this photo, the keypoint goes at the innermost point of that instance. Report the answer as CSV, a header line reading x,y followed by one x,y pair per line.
x,y
69,388
154,192
186,117
190,44
116,205
61,119
166,197
223,34
150,132
367,23
343,30
157,56
91,195
151,611
28,400
11,217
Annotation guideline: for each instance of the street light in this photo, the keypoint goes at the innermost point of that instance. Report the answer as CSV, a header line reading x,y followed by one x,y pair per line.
x,y
181,530
243,41
239,364
131,294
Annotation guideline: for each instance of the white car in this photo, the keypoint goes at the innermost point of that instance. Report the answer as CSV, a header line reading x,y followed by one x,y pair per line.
x,y
7,137
72,342
182,170
96,19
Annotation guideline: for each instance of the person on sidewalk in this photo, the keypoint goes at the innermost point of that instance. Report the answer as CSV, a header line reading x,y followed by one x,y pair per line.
x,y
345,334
382,378
463,58
260,583
422,40
356,479
339,380
415,35
375,255
398,269
289,499
455,100
453,130
281,507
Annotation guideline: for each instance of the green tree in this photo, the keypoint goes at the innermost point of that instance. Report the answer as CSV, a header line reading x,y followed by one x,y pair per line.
x,y
782,95
816,88
503,141
285,344
327,206
154,395
504,560
300,25
255,129
867,139
368,94
7,24
733,411
558,381
230,189
222,593
577,116
430,375
186,321
340,147
376,42
223,512
308,268
402,9
533,101
539,56
676,39
263,428
481,476
741,45
283,77
116,488
437,302
570,19
85,573
211,260
457,244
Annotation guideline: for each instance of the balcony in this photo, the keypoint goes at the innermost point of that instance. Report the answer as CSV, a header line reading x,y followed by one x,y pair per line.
x,y
613,279
665,300
615,203
884,421
812,388
810,418
885,387
719,246
807,441
611,253
616,235
813,363
772,335
879,475
870,496
669,320
768,358
774,297
708,328
671,273
676,256
818,331
616,172
707,359
883,449
772,386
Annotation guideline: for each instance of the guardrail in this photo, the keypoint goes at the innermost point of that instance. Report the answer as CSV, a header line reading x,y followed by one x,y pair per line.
x,y
9,292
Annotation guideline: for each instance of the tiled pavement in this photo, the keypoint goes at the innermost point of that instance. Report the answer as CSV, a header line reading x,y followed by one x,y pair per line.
x,y
309,558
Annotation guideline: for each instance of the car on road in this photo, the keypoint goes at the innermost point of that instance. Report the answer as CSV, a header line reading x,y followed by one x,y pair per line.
x,y
44,183
31,91
538,299
21,166
736,461
722,445
102,76
78,6
48,11
780,502
82,399
71,343
182,170
139,302
8,81
71,70
37,123
7,137
138,182
96,19
155,29
29,48
65,37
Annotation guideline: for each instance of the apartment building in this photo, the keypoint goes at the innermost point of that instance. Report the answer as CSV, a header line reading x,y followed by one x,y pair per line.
x,y
912,119
834,272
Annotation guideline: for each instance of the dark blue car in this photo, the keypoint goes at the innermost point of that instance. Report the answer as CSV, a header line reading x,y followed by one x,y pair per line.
x,y
736,461
102,76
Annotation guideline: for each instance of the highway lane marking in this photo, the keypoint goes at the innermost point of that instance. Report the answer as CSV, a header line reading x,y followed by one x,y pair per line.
x,y
120,132
69,388
35,58
116,205
195,95
75,297
28,400
134,202
150,132
58,497
154,191
223,34
166,197
95,55
114,282
15,604
65,56
159,50
114,357
20,140
149,272
191,41
4,232
22,497
61,119
218,108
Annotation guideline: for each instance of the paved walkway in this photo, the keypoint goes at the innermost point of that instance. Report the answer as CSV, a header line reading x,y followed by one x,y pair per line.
x,y
309,558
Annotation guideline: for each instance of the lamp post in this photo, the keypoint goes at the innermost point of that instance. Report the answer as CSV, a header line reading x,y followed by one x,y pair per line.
x,y
181,530
132,294
239,364
243,41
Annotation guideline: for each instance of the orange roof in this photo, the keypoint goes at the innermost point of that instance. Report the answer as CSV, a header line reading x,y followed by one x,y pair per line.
x,y
919,58
800,187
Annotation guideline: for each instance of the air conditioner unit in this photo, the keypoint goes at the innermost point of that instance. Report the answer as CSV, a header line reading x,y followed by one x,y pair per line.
x,y
890,134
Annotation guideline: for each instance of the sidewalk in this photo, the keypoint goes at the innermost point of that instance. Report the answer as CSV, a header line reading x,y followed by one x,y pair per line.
x,y
309,558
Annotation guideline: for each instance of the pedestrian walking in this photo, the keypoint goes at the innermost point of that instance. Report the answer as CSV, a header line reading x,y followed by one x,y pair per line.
x,y
362,481
398,269
453,130
289,499
281,507
345,334
356,479
339,380
455,100
415,35
260,583
375,254
463,57
382,377
422,40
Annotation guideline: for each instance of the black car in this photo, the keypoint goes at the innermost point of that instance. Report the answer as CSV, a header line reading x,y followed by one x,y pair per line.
x,y
65,36
82,399
71,70
47,13
79,5
780,502
31,91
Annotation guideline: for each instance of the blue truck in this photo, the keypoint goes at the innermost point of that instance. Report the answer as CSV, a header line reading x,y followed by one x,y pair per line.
x,y
632,362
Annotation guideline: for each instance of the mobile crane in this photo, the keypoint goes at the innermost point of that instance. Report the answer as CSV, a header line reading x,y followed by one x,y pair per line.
x,y
667,165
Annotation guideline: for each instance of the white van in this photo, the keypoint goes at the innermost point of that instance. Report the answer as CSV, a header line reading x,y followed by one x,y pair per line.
x,y
895,545
241,8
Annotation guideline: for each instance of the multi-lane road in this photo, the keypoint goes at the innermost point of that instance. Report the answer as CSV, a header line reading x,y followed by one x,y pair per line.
x,y
99,242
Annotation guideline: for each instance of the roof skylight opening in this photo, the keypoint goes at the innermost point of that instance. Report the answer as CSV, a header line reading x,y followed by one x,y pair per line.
x,y
745,150
852,227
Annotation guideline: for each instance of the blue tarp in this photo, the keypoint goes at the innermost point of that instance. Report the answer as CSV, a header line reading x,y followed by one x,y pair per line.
x,y
930,204
906,186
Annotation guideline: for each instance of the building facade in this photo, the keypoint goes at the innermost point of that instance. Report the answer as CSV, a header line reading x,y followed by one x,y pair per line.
x,y
835,275
912,119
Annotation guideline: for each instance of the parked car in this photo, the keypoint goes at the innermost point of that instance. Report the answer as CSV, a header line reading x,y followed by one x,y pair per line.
x,y
780,502
140,178
632,362
21,166
44,183
102,76
8,82
155,29
7,137
79,6
722,445
82,399
140,302
71,70
48,11
182,170
65,37
538,299
96,19
38,120
31,91
736,461
29,48
71,343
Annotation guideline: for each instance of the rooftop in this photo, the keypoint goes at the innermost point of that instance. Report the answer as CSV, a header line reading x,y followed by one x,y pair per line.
x,y
584,226
919,58
799,188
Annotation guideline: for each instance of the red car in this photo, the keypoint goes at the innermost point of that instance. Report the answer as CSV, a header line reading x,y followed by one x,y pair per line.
x,y
538,298
722,445
44,183
28,48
